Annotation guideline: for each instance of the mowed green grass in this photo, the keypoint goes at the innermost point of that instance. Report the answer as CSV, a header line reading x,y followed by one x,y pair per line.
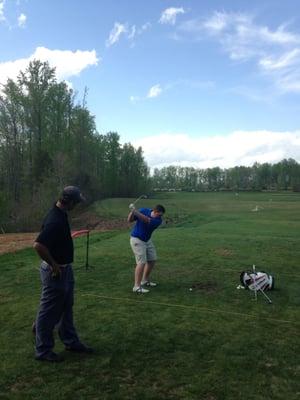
x,y
214,342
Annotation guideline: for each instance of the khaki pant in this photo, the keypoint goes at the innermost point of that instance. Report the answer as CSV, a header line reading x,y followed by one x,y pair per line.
x,y
143,251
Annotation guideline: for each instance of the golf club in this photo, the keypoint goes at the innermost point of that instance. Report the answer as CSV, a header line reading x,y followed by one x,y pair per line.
x,y
143,196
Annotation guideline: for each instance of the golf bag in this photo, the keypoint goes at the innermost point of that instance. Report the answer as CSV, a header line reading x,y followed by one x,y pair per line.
x,y
257,280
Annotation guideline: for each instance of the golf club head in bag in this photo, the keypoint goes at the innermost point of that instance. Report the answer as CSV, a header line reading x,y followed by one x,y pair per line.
x,y
257,280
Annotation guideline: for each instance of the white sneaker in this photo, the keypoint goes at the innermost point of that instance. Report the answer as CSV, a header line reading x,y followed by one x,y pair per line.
x,y
149,284
139,290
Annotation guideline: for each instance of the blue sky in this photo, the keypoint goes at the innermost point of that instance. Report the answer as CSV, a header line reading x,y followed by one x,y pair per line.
x,y
196,83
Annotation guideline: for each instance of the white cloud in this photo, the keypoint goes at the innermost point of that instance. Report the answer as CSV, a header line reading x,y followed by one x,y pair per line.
x,y
280,36
216,23
284,70
169,15
276,52
154,91
242,28
115,33
288,59
239,36
157,90
67,63
238,148
2,16
145,27
22,20
134,99
289,83
130,32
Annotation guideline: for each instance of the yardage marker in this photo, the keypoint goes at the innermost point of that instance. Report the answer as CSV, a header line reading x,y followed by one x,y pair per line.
x,y
211,310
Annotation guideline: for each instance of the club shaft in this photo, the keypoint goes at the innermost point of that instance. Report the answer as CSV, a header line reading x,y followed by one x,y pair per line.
x,y
139,198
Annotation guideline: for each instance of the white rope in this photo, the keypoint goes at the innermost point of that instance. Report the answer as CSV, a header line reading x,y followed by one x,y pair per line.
x,y
204,309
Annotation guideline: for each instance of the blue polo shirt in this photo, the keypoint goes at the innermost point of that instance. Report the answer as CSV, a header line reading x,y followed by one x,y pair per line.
x,y
143,230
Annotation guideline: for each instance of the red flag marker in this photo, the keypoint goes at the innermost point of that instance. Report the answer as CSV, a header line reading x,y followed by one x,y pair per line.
x,y
81,233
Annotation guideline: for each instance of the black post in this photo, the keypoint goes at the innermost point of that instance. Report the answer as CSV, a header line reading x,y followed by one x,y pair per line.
x,y
87,250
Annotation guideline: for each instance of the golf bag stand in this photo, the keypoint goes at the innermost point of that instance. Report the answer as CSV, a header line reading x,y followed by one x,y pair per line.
x,y
257,282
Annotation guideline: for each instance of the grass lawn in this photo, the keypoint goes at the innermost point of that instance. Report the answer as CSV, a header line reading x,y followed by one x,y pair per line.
x,y
214,342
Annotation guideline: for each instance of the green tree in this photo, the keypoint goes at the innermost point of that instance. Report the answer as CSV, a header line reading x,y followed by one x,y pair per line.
x,y
12,139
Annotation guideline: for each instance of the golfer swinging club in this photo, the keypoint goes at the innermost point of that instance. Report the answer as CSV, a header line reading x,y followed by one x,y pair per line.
x,y
54,245
146,221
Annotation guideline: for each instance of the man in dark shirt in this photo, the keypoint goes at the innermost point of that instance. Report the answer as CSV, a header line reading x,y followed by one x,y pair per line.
x,y
54,245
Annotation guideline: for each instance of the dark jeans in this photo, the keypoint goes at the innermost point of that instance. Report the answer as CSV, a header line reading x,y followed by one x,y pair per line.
x,y
56,309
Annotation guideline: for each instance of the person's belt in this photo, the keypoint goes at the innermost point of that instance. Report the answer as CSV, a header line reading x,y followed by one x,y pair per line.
x,y
136,237
61,265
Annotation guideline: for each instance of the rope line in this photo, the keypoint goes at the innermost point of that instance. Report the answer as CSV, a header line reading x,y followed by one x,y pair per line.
x,y
211,310
232,270
227,270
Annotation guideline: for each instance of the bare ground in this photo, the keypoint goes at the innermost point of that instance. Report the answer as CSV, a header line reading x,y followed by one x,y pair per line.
x,y
11,242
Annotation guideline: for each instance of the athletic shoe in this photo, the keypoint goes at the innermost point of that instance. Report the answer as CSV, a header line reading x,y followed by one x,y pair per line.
x,y
140,290
80,348
149,284
51,357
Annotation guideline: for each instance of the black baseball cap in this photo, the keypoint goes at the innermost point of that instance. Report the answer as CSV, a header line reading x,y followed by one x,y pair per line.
x,y
72,193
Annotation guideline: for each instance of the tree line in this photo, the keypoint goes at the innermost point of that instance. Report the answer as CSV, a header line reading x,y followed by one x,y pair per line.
x,y
284,175
48,140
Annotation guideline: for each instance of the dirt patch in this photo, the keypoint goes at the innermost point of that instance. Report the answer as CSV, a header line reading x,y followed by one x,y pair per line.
x,y
88,220
208,287
11,242
224,252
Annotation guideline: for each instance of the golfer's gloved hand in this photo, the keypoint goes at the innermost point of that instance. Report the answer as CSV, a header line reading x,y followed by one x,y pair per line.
x,y
131,207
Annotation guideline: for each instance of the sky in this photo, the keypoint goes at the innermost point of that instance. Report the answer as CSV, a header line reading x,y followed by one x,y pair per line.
x,y
199,83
